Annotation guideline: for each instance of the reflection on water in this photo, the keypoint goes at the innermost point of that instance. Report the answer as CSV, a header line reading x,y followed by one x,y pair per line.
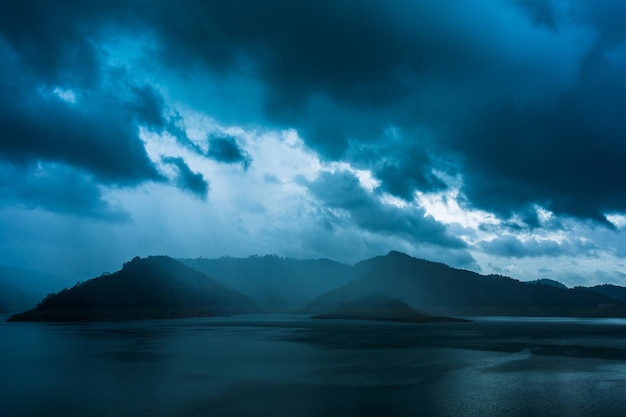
x,y
294,366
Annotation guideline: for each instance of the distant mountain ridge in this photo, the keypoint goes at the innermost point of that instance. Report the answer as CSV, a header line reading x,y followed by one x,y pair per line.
x,y
153,287
610,290
442,290
161,287
277,284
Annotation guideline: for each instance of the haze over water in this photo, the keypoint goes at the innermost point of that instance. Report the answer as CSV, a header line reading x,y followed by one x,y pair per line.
x,y
294,366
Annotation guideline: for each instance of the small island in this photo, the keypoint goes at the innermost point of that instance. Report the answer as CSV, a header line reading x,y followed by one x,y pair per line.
x,y
380,308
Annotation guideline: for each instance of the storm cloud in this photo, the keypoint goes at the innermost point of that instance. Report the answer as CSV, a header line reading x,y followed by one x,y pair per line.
x,y
342,194
511,106
188,180
57,188
224,148
509,246
525,94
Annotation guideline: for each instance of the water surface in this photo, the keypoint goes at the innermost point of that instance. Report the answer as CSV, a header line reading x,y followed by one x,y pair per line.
x,y
281,365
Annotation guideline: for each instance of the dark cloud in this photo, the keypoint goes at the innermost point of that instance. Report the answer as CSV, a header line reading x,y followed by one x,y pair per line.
x,y
509,246
604,17
62,105
224,148
403,166
148,105
519,98
98,133
541,12
516,91
150,108
188,180
345,201
57,188
319,59
567,156
54,42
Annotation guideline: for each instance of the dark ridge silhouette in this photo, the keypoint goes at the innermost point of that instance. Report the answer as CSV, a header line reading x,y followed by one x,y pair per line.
x,y
546,281
380,308
277,284
612,291
149,288
442,290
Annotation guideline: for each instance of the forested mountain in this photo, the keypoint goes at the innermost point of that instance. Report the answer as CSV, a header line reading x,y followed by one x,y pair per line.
x,y
442,290
277,284
613,291
546,281
154,287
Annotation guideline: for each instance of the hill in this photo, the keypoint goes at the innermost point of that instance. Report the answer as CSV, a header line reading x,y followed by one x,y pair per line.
x,y
442,290
613,291
546,281
149,288
277,284
380,308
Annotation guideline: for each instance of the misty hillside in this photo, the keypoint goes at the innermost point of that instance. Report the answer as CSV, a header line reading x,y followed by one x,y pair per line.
x,y
442,290
22,288
154,287
277,284
13,299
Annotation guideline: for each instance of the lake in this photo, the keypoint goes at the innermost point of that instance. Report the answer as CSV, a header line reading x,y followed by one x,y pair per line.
x,y
290,365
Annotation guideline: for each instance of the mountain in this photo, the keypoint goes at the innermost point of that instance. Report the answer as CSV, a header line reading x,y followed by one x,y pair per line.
x,y
22,288
277,284
380,308
149,288
442,290
546,281
613,291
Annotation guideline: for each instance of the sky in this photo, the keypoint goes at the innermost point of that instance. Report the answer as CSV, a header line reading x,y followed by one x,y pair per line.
x,y
488,135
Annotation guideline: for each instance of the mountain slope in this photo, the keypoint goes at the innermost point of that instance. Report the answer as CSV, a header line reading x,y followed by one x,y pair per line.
x,y
154,287
13,298
22,288
277,284
613,291
442,290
